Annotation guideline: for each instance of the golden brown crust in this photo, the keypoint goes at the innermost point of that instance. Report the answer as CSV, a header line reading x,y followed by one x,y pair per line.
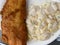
x,y
11,5
14,31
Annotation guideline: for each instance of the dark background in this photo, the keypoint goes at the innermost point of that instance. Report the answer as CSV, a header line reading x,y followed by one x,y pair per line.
x,y
55,42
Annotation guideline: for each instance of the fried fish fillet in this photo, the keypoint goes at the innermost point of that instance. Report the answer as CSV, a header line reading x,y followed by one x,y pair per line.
x,y
12,5
14,31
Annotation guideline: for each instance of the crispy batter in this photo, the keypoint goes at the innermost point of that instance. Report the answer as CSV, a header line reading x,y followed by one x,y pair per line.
x,y
11,5
14,31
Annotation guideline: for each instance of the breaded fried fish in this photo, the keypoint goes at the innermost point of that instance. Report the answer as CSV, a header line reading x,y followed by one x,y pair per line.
x,y
14,31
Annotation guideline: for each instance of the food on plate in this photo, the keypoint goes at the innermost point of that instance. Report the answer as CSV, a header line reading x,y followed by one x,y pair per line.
x,y
43,20
14,30
11,6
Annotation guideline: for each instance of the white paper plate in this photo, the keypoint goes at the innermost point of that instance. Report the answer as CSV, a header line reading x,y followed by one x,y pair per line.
x,y
32,42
